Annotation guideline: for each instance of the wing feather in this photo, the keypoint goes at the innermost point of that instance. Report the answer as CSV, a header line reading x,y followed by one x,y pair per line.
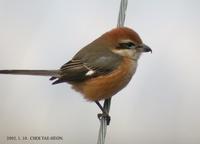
x,y
99,63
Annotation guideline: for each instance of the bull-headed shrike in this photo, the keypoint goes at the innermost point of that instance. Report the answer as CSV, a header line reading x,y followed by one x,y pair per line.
x,y
100,69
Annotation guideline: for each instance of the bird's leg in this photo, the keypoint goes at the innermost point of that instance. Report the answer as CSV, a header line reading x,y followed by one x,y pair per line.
x,y
103,114
100,106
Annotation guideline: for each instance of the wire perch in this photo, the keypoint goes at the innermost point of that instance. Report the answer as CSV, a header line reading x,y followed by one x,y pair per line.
x,y
107,102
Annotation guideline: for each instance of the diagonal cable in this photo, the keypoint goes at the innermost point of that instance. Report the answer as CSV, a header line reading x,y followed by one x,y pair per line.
x,y
107,102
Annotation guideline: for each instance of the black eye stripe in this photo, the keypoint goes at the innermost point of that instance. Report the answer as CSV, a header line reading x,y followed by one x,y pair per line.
x,y
126,45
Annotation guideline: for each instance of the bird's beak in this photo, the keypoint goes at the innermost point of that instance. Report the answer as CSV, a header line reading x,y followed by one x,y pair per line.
x,y
144,48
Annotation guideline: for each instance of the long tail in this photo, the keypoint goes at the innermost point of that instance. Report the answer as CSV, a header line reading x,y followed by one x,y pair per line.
x,y
52,73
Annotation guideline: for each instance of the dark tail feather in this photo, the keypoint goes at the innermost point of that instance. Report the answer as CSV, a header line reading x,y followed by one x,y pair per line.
x,y
53,73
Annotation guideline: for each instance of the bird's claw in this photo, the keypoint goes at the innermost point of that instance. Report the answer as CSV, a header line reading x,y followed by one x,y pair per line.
x,y
104,115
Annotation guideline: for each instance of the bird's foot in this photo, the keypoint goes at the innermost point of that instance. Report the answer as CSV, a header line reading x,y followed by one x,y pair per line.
x,y
105,116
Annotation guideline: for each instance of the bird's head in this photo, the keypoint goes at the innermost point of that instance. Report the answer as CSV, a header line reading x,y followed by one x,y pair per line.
x,y
126,42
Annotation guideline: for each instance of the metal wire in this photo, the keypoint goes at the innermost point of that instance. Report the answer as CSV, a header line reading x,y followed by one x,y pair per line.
x,y
122,13
103,123
107,102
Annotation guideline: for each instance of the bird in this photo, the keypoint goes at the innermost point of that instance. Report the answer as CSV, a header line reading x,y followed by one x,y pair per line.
x,y
100,69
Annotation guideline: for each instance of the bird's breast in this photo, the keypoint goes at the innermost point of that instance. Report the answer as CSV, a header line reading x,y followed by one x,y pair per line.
x,y
105,86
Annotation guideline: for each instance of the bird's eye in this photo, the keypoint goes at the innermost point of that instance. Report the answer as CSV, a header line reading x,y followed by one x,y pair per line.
x,y
130,44
126,45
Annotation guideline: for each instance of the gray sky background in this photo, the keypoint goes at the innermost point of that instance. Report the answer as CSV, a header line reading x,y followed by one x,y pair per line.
x,y
161,105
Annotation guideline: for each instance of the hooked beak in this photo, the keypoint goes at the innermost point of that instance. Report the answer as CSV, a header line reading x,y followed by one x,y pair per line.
x,y
144,48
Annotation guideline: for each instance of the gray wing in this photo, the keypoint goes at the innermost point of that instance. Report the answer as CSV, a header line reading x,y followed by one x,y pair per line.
x,y
87,65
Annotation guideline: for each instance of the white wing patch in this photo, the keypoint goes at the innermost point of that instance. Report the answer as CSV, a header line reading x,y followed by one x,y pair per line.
x,y
90,72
